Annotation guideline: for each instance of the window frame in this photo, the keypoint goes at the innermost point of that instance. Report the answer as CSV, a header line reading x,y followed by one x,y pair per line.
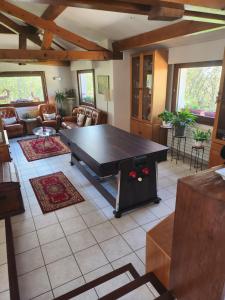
x,y
79,90
24,74
177,67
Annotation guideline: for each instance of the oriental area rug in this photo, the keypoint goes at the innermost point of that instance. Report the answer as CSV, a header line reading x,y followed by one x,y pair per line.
x,y
39,148
54,191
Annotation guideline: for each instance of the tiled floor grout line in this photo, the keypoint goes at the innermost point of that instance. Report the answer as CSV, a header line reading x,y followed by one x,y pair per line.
x,y
81,187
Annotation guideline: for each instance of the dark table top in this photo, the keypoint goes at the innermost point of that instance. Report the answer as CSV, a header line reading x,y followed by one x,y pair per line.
x,y
106,144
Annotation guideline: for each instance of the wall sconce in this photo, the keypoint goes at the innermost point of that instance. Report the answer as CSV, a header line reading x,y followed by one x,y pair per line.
x,y
56,78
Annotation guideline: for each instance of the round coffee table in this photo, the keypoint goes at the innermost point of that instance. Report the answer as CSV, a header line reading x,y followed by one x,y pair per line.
x,y
45,133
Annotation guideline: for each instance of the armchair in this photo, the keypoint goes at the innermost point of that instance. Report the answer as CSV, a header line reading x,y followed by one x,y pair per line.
x,y
47,109
11,122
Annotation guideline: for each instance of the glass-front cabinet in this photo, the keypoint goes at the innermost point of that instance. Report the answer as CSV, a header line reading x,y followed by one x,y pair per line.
x,y
135,86
148,92
147,88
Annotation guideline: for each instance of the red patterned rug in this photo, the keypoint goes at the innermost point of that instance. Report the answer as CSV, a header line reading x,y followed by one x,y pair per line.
x,y
35,149
55,191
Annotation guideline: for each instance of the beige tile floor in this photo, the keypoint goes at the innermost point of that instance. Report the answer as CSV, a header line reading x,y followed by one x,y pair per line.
x,y
62,250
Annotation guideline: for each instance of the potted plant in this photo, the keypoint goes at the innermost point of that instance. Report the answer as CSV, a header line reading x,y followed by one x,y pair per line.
x,y
60,97
166,118
181,120
201,136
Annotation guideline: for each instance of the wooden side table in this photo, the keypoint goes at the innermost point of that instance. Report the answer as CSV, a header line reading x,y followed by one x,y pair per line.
x,y
30,124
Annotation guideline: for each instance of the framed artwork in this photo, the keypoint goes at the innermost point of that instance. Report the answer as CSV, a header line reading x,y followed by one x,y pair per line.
x,y
103,84
86,87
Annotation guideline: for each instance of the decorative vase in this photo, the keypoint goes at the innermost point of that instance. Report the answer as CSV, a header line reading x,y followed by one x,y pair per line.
x,y
179,131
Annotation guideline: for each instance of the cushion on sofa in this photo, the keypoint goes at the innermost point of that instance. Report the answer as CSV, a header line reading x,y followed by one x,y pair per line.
x,y
9,121
80,120
88,121
48,117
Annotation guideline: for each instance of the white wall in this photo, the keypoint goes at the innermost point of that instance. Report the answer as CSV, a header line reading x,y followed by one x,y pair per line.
x,y
121,78
208,51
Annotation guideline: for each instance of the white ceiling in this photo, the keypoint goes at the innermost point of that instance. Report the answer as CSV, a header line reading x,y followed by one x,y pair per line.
x,y
99,25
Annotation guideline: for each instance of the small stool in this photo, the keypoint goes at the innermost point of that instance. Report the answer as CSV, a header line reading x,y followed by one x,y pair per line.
x,y
178,148
198,162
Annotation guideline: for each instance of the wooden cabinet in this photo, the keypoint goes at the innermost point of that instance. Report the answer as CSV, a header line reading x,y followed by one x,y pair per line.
x,y
158,250
148,92
198,247
218,137
4,147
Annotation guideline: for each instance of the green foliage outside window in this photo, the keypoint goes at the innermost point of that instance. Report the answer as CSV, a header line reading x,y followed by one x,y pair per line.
x,y
200,89
21,89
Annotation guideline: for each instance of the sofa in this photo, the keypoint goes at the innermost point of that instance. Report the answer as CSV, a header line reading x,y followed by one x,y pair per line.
x,y
47,116
84,115
11,122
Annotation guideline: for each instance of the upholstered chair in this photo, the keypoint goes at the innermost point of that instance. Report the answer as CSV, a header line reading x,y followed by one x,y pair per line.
x,y
84,115
11,122
47,116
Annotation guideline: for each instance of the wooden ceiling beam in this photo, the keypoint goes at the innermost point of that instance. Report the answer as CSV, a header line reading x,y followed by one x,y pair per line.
x,y
48,25
217,4
52,12
4,29
47,40
17,55
204,15
179,29
126,5
163,13
22,41
107,5
20,29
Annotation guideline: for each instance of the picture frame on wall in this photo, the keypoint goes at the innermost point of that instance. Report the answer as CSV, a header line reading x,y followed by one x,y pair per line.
x,y
103,84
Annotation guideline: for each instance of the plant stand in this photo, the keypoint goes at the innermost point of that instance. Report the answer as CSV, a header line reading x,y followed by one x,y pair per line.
x,y
176,153
197,153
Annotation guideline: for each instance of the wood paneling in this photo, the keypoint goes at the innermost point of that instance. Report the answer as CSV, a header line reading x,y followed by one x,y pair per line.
x,y
9,54
181,28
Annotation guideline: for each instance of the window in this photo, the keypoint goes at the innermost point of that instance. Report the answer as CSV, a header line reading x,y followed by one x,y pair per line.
x,y
86,86
196,88
22,88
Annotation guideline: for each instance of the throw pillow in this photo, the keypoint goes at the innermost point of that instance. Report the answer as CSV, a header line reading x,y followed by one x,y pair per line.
x,y
88,121
48,117
80,120
9,121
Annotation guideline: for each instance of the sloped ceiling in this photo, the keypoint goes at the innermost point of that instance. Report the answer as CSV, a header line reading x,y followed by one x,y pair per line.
x,y
99,25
